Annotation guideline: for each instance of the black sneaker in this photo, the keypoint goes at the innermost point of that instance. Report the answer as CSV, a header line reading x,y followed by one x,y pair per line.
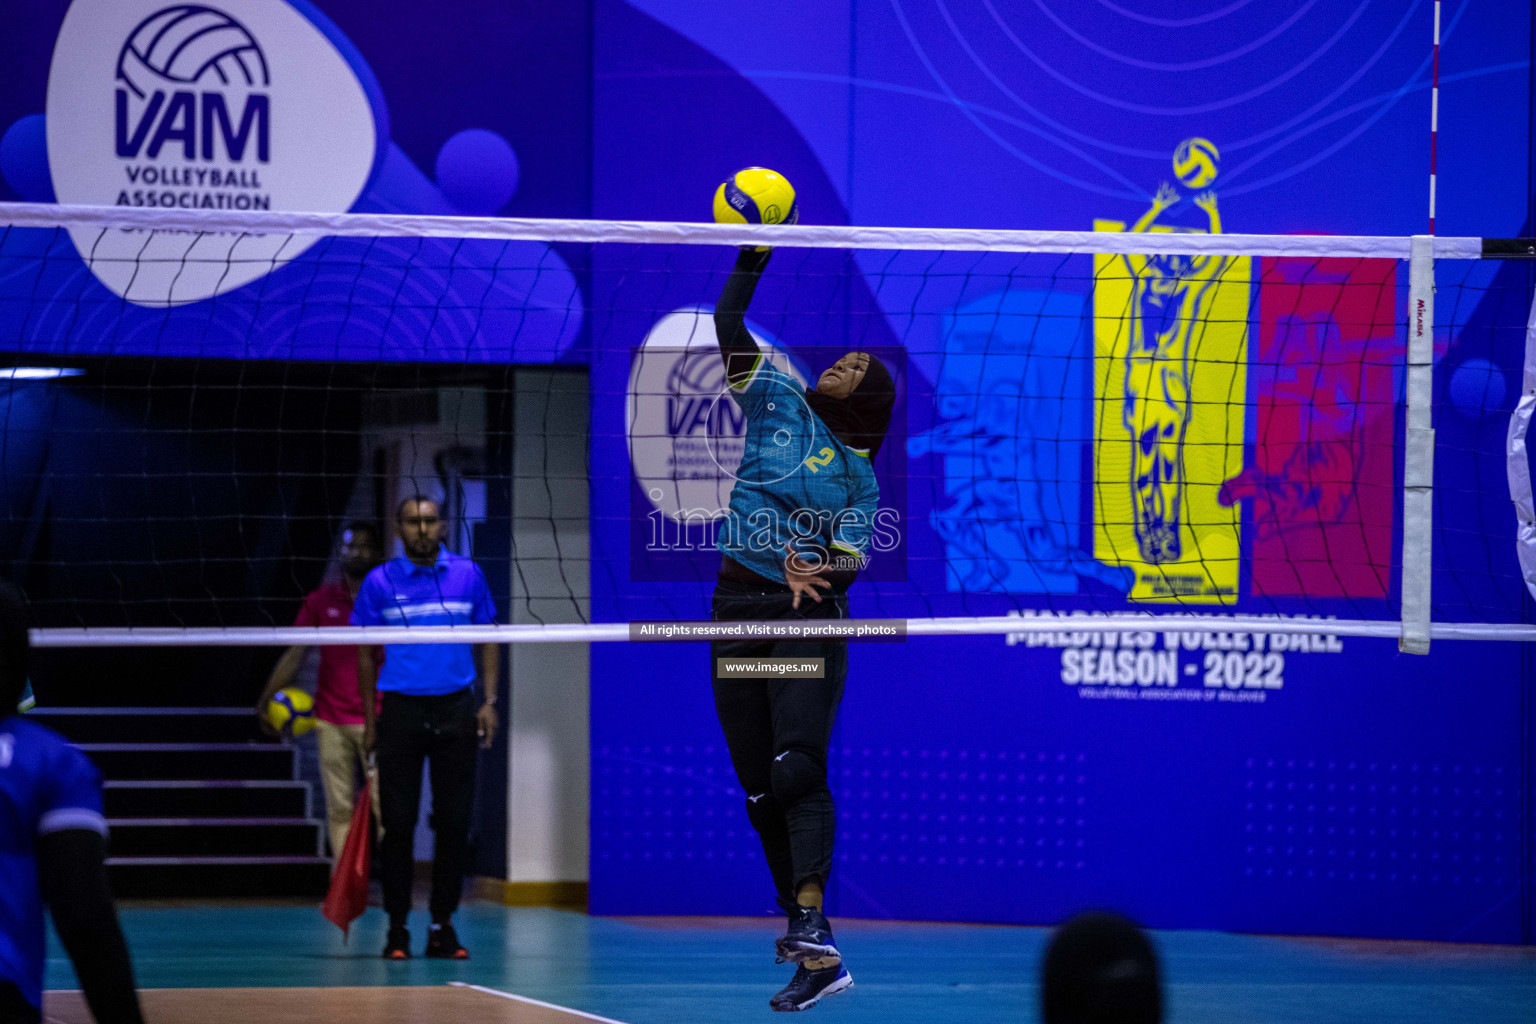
x,y
809,937
807,988
443,944
398,946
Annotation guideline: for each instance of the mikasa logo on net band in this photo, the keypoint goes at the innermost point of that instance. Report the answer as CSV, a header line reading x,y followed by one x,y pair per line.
x,y
192,84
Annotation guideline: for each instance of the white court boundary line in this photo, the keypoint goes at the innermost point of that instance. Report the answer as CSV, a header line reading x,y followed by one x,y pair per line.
x,y
534,1002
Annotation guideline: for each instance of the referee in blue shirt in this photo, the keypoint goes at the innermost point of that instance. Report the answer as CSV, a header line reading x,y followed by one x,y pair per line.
x,y
429,713
53,848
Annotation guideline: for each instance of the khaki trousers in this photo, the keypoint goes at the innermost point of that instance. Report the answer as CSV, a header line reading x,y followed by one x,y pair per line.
x,y
341,761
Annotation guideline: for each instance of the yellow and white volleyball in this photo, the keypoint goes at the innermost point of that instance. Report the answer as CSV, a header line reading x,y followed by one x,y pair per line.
x,y
291,711
756,195
1196,161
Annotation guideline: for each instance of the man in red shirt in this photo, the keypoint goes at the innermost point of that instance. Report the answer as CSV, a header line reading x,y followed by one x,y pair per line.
x,y
338,700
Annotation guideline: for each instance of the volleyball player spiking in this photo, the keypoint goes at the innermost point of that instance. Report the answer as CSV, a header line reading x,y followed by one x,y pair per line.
x,y
807,451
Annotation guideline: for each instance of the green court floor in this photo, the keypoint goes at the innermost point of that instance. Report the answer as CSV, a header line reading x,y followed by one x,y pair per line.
x,y
721,970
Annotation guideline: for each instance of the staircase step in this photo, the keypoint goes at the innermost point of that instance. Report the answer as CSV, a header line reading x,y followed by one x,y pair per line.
x,y
151,725
191,760
204,877
199,803
189,837
207,798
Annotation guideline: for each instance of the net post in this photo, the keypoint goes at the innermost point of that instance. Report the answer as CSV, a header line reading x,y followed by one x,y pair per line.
x,y
1419,448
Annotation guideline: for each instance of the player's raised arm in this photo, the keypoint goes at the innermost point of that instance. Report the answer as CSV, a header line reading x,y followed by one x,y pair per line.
x,y
737,346
753,195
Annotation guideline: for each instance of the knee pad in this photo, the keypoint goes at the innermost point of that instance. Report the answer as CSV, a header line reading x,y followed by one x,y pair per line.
x,y
796,775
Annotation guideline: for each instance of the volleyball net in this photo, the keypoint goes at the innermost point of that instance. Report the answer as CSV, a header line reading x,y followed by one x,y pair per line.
x,y
1117,430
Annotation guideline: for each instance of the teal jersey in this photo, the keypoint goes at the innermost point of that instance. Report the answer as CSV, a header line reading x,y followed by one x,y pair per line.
x,y
796,483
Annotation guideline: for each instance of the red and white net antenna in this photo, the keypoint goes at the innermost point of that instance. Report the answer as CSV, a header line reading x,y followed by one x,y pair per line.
x,y
1434,116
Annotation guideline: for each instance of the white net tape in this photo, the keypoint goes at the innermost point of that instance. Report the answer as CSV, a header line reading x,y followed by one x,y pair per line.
x,y
182,238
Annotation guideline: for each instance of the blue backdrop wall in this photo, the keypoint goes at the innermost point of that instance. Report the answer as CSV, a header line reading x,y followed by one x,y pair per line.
x,y
1375,793
1370,794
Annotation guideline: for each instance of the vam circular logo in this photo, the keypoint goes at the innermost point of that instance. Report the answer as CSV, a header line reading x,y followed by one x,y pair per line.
x,y
686,434
246,106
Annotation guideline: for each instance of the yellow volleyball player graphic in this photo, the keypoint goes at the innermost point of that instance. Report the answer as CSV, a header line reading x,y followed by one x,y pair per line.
x,y
1167,295
1170,379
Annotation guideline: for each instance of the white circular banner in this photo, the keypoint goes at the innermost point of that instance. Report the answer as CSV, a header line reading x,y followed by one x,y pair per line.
x,y
246,105
686,433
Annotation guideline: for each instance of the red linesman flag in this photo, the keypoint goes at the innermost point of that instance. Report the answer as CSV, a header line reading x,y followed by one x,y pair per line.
x,y
347,897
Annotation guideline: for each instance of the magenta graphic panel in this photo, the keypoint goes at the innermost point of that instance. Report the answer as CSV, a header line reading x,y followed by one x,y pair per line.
x,y
1321,473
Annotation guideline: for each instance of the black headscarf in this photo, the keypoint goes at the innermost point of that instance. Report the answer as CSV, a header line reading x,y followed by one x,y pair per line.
x,y
862,419
1100,969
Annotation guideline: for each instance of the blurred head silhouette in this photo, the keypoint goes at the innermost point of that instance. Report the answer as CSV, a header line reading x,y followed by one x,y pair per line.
x,y
1100,969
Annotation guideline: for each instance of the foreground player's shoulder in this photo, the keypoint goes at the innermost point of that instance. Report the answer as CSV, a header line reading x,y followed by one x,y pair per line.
x,y
66,783
32,743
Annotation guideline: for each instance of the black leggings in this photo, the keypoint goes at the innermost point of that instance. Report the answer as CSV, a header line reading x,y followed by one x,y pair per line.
x,y
439,730
778,731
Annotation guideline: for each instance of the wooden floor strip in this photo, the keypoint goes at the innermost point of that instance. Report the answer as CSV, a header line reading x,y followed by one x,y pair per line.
x,y
456,1003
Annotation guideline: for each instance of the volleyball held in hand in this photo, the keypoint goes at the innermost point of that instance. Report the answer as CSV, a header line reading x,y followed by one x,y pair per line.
x,y
1196,161
291,711
756,195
